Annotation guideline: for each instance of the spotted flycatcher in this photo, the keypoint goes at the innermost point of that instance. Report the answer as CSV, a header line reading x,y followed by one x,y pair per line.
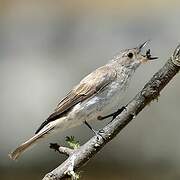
x,y
95,96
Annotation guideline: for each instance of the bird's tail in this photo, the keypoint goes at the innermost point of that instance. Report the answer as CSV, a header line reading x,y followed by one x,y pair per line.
x,y
23,147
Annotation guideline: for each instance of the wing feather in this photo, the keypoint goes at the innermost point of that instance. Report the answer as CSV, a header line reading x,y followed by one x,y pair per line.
x,y
89,86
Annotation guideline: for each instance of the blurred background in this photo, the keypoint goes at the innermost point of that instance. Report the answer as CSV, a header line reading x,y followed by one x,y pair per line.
x,y
47,46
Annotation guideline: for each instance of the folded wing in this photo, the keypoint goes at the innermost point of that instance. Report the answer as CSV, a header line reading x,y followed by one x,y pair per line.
x,y
88,87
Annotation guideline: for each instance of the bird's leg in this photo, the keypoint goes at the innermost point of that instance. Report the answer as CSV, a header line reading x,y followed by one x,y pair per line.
x,y
113,115
93,130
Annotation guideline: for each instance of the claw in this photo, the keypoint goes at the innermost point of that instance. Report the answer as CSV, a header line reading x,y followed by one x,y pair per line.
x,y
97,133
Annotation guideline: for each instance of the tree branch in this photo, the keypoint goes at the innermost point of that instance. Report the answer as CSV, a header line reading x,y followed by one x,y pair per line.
x,y
62,150
151,91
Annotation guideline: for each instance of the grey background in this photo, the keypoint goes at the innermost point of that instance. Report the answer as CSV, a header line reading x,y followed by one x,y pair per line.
x,y
47,46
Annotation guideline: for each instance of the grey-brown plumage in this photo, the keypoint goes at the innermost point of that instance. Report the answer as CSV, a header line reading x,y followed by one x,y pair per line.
x,y
89,86
96,95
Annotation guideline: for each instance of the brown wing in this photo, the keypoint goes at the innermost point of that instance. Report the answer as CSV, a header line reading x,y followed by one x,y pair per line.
x,y
88,87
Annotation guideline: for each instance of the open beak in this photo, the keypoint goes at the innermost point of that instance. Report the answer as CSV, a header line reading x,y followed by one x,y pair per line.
x,y
141,46
148,52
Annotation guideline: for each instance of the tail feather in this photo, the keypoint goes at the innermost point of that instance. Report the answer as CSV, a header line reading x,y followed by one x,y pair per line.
x,y
23,147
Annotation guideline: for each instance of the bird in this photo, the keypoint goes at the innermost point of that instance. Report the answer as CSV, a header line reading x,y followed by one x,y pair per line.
x,y
95,96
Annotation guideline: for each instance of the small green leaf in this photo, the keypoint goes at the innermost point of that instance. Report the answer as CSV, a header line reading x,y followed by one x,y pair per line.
x,y
72,142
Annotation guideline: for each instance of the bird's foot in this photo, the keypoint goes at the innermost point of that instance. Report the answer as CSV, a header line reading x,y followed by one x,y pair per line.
x,y
113,115
97,133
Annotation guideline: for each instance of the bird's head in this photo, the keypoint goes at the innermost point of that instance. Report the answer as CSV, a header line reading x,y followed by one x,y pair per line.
x,y
132,58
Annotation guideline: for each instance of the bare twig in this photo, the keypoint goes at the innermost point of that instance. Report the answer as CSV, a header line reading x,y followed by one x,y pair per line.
x,y
150,92
62,150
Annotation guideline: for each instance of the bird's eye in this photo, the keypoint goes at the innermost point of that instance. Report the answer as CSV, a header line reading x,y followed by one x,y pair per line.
x,y
130,55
